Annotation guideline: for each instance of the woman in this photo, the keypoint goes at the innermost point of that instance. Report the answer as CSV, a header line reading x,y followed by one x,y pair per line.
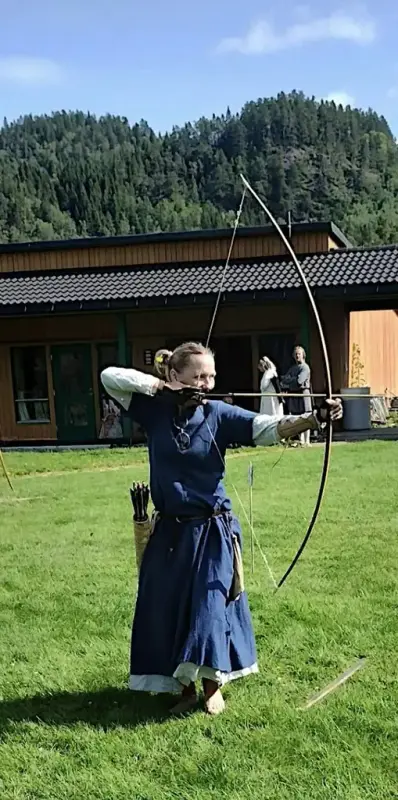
x,y
190,622
269,384
111,427
298,381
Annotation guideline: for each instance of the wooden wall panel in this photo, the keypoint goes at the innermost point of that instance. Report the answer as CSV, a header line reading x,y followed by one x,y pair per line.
x,y
187,323
161,253
335,323
150,329
376,334
68,328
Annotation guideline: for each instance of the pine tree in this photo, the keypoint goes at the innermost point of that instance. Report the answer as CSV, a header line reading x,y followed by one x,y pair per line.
x,y
73,174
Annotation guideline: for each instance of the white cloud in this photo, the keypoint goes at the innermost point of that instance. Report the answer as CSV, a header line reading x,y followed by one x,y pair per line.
x,y
30,71
340,98
263,38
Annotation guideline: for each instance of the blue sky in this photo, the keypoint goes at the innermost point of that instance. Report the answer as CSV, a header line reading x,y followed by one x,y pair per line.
x,y
170,61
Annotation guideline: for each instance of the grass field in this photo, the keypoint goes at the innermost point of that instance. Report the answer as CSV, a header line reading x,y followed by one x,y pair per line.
x,y
68,727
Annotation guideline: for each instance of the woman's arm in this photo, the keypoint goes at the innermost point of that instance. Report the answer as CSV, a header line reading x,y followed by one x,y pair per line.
x,y
297,380
304,377
247,428
267,377
288,380
121,383
271,430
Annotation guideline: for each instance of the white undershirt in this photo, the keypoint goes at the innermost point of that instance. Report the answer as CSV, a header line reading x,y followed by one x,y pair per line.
x,y
121,383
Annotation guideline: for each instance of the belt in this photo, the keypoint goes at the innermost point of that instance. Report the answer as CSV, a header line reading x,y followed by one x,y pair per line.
x,y
181,518
237,587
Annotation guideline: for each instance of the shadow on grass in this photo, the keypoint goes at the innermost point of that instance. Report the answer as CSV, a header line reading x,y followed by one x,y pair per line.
x,y
106,708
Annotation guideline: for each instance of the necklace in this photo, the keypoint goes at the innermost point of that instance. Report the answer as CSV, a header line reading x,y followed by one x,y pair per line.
x,y
182,437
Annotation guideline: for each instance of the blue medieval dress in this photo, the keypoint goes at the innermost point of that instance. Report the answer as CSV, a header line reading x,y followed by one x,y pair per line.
x,y
192,617
186,626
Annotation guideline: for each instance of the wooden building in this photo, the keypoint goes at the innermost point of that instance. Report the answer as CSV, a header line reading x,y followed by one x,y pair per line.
x,y
70,308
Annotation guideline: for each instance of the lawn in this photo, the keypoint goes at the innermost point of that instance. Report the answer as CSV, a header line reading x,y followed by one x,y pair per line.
x,y
69,729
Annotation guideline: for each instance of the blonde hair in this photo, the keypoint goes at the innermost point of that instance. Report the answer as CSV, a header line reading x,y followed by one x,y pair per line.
x,y
178,359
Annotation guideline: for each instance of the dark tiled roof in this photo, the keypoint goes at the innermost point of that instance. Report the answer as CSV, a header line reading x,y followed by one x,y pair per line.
x,y
339,268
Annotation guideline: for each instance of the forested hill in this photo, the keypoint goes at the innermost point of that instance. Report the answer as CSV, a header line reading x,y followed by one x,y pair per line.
x,y
72,174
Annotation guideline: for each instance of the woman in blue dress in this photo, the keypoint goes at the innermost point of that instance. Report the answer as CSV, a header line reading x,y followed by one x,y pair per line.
x,y
192,620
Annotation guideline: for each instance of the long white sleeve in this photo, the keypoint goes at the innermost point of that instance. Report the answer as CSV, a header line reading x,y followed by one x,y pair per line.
x,y
267,377
269,430
120,383
265,430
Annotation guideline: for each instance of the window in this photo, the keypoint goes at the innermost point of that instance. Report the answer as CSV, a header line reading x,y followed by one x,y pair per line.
x,y
29,369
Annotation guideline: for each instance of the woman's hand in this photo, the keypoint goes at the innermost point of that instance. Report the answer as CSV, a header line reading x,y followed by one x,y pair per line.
x,y
266,363
185,396
333,407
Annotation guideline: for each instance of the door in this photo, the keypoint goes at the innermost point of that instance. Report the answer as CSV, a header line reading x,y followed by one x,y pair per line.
x,y
73,393
279,348
234,367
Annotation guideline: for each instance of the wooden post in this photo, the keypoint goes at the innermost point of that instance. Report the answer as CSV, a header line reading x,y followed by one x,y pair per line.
x,y
255,360
250,481
51,392
96,393
305,330
122,343
123,357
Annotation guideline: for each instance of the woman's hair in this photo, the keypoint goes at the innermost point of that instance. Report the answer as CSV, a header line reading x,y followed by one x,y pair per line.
x,y
299,347
166,360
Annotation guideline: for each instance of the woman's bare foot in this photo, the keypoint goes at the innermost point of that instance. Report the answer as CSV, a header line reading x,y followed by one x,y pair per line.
x,y
214,701
188,700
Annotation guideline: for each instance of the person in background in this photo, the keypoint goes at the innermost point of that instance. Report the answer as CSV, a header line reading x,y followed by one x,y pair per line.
x,y
270,384
111,426
298,381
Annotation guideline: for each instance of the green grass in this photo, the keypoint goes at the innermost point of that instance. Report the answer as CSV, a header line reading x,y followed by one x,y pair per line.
x,y
68,726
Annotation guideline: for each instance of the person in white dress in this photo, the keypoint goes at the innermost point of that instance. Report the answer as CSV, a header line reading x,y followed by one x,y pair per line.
x,y
269,385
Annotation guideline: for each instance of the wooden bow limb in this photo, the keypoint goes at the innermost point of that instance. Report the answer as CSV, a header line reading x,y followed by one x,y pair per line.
x,y
326,363
6,473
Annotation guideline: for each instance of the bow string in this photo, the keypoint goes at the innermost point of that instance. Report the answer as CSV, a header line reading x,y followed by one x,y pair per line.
x,y
325,355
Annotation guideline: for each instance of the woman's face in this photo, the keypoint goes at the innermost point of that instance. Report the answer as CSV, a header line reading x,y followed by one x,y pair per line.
x,y
199,372
298,355
261,365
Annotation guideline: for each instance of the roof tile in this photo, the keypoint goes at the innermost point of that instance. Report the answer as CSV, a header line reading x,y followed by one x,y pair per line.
x,y
348,267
